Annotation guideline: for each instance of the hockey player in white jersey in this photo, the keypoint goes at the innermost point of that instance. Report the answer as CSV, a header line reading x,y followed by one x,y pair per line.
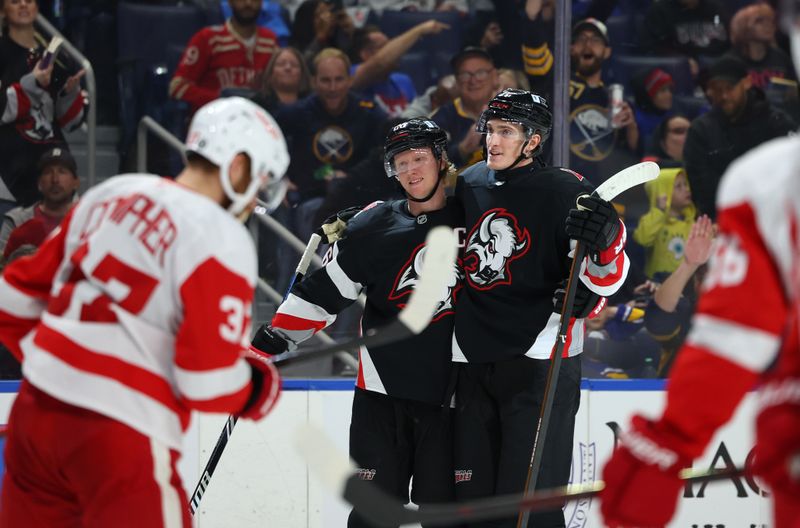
x,y
135,312
745,331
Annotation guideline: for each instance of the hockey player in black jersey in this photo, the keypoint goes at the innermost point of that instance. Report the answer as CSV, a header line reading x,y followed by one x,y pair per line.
x,y
401,424
516,258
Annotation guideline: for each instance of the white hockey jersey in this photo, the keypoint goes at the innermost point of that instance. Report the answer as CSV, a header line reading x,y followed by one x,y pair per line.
x,y
747,313
137,307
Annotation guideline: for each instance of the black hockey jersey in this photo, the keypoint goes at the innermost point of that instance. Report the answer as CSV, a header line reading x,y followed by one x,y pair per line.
x,y
515,256
381,254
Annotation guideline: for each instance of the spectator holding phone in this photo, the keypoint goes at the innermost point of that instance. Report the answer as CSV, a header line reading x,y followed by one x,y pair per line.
x,y
37,101
320,24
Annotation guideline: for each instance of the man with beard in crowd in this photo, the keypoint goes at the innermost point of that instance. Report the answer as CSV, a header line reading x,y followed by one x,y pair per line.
x,y
231,55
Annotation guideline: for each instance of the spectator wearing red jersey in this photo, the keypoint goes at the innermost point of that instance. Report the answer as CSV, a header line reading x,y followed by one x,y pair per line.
x,y
231,55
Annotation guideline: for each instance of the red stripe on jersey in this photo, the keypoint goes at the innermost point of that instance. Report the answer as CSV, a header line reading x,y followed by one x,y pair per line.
x,y
72,112
360,383
23,101
567,343
742,274
216,318
232,402
292,322
690,410
136,378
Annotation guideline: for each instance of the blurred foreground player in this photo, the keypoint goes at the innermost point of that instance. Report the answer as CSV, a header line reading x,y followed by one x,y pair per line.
x,y
745,330
133,313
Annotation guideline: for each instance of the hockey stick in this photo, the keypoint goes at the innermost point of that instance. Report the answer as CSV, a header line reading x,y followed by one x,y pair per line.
x,y
338,474
230,423
608,190
440,256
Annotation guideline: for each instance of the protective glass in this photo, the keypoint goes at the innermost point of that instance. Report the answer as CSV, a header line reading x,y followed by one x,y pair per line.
x,y
408,161
504,132
273,192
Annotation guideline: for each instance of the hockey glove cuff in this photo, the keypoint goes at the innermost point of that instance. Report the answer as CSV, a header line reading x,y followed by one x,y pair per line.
x,y
642,477
268,342
586,303
596,223
777,451
266,382
333,227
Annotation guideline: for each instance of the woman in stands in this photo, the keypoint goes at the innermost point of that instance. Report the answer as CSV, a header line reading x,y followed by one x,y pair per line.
x,y
37,101
286,79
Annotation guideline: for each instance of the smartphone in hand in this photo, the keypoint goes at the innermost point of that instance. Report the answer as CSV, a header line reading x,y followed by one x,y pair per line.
x,y
51,52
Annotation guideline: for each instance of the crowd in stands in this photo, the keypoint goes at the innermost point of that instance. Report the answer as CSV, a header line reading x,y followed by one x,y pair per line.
x,y
702,82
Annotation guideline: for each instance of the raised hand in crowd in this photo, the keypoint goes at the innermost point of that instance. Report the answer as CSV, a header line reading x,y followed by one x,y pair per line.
x,y
698,245
73,82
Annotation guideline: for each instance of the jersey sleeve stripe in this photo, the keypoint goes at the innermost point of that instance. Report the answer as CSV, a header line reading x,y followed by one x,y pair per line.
x,y
298,314
347,288
207,385
18,303
747,347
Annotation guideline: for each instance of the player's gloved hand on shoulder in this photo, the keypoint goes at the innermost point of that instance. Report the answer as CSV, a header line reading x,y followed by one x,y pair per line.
x,y
642,477
595,222
777,450
586,303
268,342
333,227
266,382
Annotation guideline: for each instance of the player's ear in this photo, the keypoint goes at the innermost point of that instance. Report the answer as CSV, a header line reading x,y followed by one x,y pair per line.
x,y
239,172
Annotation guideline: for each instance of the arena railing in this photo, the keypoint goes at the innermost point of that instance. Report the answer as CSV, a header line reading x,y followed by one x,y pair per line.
x,y
148,125
91,88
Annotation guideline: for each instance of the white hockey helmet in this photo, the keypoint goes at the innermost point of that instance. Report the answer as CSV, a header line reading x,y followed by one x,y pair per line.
x,y
226,127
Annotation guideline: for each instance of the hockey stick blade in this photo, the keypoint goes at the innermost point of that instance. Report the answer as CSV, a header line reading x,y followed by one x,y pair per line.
x,y
336,473
626,179
439,262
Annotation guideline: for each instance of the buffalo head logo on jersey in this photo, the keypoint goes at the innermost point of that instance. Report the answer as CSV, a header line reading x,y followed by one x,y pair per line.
x,y
408,277
492,244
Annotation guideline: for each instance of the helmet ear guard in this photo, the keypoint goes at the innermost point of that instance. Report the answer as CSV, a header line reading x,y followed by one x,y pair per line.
x,y
229,126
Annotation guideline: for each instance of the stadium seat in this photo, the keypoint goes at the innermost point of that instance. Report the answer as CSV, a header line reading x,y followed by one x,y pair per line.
x,y
449,41
418,67
622,33
623,67
144,32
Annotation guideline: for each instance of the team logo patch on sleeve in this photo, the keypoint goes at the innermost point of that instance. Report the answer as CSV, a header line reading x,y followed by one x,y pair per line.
x,y
493,243
408,277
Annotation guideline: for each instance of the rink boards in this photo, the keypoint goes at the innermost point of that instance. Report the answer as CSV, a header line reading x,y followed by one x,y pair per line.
x,y
261,481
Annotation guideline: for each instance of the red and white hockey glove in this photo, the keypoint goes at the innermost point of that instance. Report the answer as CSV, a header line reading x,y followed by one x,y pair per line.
x,y
266,386
777,451
642,477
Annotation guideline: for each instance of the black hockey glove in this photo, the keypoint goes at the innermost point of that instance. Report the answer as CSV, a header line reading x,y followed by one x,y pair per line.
x,y
268,342
332,228
595,223
585,300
